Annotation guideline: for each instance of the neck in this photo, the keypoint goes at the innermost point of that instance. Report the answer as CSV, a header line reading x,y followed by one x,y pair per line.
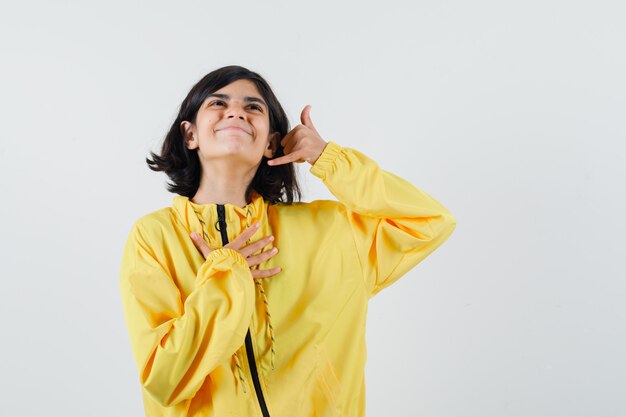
x,y
222,184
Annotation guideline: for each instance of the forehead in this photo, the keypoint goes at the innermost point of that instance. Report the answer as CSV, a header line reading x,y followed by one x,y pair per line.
x,y
240,89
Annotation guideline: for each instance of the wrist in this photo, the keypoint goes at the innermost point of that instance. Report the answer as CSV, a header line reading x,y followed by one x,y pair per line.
x,y
321,151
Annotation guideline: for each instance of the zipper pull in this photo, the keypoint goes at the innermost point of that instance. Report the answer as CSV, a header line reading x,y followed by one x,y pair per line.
x,y
221,219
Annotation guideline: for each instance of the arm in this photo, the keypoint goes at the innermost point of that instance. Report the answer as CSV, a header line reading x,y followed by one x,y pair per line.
x,y
394,224
175,344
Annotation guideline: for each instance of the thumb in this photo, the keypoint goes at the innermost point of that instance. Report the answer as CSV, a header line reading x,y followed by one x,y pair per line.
x,y
305,117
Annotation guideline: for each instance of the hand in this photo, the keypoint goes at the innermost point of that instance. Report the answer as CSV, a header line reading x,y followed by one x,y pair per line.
x,y
245,251
302,143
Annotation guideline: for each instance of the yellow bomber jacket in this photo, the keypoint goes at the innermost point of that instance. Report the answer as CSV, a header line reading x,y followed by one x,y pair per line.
x,y
210,340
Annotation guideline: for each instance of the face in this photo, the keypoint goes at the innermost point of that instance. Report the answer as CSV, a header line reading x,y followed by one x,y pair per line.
x,y
233,122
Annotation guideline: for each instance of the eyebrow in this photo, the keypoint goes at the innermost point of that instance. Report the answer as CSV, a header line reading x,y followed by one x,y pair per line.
x,y
246,99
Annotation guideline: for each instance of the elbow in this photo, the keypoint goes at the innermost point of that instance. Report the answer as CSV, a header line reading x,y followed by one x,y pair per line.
x,y
442,226
162,395
162,392
450,221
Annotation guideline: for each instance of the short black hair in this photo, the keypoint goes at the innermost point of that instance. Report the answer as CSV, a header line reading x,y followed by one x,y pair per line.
x,y
182,165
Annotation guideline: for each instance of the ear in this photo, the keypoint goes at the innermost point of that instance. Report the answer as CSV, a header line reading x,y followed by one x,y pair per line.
x,y
187,130
272,145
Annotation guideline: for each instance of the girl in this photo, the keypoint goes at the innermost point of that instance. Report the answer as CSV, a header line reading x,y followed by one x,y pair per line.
x,y
240,300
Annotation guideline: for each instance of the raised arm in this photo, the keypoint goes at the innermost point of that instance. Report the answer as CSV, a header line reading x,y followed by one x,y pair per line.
x,y
394,224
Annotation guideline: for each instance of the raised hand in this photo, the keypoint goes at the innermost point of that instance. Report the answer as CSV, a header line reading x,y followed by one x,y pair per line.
x,y
302,143
246,251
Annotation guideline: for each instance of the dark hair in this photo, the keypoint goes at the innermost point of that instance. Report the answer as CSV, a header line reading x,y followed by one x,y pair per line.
x,y
182,165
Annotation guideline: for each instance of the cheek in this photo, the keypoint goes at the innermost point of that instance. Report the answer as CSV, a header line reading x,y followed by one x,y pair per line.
x,y
263,126
207,121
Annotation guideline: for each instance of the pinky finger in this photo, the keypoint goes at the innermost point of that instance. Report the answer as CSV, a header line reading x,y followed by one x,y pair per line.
x,y
264,273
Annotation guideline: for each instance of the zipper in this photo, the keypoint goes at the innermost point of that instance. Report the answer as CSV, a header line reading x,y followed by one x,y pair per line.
x,y
221,219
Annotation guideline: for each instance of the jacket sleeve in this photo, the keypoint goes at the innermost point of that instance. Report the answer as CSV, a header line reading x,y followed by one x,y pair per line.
x,y
175,344
394,224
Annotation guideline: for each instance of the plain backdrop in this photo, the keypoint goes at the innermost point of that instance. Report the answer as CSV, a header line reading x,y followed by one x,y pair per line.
x,y
511,114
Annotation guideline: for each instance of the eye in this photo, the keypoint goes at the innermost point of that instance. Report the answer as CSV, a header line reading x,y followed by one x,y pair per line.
x,y
256,107
217,103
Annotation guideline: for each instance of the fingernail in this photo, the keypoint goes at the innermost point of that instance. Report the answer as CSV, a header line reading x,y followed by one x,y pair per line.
x,y
271,238
193,235
274,250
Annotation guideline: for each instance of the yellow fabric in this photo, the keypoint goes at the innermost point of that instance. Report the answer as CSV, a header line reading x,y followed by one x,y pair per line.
x,y
187,317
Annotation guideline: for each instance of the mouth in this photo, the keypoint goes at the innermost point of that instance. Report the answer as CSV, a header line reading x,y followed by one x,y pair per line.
x,y
234,129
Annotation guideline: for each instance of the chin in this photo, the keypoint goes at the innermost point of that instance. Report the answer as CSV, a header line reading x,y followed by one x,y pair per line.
x,y
240,152
235,147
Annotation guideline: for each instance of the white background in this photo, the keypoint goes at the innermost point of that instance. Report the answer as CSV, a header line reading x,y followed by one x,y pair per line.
x,y
511,114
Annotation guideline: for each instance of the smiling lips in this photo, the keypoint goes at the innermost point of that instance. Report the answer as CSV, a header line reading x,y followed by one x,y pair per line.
x,y
234,128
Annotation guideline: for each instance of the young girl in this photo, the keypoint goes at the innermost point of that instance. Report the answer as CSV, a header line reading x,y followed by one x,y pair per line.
x,y
240,301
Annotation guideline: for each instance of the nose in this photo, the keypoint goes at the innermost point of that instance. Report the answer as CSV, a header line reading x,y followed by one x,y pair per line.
x,y
235,110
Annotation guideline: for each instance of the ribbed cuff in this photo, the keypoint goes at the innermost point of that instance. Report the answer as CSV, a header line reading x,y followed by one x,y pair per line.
x,y
325,162
225,253
221,259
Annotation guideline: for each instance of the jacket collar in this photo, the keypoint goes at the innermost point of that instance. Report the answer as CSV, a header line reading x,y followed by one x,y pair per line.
x,y
202,218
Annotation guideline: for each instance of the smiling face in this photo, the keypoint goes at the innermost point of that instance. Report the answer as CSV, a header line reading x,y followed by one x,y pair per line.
x,y
232,123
